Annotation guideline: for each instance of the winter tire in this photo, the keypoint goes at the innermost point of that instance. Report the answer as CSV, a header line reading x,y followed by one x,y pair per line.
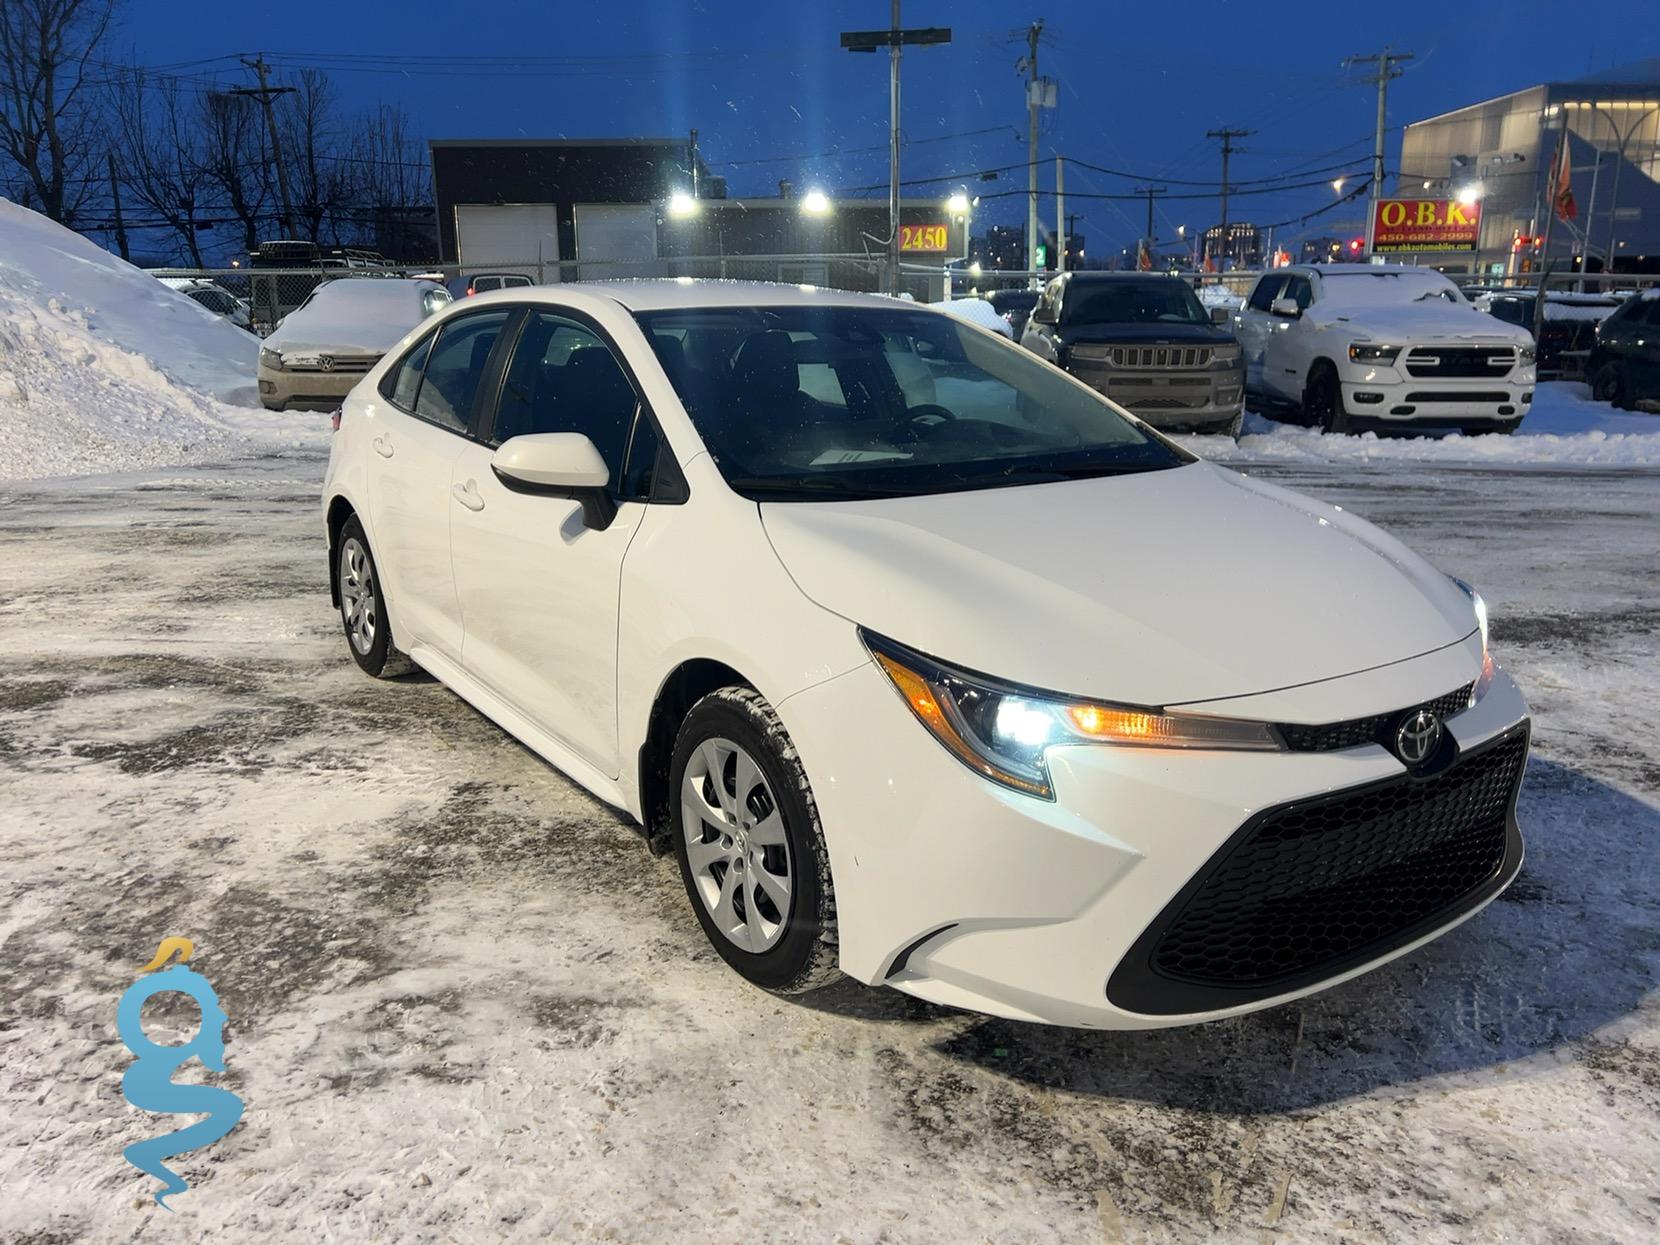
x,y
1323,402
751,851
363,607
1610,386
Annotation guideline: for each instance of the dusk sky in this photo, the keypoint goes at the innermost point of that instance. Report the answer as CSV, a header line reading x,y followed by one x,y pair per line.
x,y
773,95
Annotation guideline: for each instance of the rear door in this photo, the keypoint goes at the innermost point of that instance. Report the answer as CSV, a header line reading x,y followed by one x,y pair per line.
x,y
420,427
1253,325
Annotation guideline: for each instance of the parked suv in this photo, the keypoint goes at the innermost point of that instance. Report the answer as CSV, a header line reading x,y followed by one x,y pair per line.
x,y
1147,343
1383,346
1564,341
1625,360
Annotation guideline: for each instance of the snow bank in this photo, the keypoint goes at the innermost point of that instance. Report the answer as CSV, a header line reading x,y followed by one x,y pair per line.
x,y
1564,426
103,368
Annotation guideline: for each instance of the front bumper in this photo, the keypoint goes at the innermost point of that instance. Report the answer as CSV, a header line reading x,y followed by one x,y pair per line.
x,y
306,390
1387,397
963,893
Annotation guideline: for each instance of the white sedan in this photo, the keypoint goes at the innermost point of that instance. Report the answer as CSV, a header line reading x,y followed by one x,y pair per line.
x,y
930,664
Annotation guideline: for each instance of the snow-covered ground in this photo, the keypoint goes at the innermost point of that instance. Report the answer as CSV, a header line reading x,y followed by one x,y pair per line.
x,y
465,1003
104,368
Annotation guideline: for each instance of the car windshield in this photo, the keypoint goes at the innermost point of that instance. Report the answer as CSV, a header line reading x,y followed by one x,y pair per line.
x,y
837,403
1361,288
1129,300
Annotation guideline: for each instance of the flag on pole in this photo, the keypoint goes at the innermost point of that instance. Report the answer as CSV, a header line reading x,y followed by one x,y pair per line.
x,y
1562,181
1143,257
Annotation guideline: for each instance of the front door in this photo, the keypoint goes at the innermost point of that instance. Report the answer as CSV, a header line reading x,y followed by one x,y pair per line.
x,y
1252,326
538,587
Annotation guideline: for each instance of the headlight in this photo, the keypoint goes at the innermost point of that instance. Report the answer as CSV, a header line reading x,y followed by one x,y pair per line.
x,y
1003,731
1485,679
270,359
1526,354
1225,356
1365,352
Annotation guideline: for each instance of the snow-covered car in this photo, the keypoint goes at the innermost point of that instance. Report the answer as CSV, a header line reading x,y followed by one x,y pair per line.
x,y
1563,343
215,297
977,311
925,682
1382,346
326,344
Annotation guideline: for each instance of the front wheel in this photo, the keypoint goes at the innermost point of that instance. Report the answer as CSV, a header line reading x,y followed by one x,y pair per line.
x,y
751,851
1610,385
1323,403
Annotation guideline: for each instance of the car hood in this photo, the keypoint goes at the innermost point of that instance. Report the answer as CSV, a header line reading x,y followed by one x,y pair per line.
x,y
1161,588
1413,323
1141,334
297,335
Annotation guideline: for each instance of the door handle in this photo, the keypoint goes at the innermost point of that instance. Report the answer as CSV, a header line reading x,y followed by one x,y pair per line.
x,y
467,495
383,447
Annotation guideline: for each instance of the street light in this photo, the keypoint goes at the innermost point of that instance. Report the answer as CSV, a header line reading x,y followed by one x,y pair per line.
x,y
957,204
1337,184
815,203
682,205
1468,195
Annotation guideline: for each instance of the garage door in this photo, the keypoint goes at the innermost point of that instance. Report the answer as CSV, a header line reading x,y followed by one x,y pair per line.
x,y
519,237
617,240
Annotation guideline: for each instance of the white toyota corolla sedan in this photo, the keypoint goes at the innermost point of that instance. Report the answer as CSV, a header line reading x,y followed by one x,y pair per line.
x,y
930,664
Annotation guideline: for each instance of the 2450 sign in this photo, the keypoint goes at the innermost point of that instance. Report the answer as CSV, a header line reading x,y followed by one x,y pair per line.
x,y
1425,225
923,238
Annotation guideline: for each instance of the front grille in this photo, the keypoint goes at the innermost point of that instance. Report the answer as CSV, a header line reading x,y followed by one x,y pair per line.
x,y
1375,729
1462,361
1160,356
1312,889
342,364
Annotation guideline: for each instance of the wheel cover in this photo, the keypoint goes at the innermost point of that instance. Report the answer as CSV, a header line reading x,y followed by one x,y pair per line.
x,y
358,603
736,847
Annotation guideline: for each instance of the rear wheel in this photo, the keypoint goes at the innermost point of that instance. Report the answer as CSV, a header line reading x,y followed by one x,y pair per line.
x,y
1236,425
1323,401
751,852
363,608
1611,385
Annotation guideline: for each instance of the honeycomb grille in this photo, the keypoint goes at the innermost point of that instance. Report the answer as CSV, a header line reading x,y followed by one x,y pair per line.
x,y
1370,730
1345,877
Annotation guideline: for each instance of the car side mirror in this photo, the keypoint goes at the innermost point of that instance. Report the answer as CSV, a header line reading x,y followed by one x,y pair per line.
x,y
1286,307
1042,315
558,464
1220,315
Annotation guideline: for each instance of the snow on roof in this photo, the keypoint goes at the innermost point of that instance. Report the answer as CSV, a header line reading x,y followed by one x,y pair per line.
x,y
369,314
977,311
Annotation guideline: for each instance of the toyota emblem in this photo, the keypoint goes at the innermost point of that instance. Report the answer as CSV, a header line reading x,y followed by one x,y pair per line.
x,y
326,362
1417,737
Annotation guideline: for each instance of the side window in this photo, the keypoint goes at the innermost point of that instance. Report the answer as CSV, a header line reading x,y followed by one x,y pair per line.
x,y
564,378
1268,289
1300,289
401,383
455,367
640,471
1508,310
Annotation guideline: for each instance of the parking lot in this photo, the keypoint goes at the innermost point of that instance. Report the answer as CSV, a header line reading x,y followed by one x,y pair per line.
x,y
465,1002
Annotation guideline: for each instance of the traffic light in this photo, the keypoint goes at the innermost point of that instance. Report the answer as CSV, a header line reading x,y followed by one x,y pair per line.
x,y
1355,245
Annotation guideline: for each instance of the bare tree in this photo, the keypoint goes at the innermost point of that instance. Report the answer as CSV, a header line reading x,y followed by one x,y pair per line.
x,y
237,158
46,129
393,184
316,168
163,152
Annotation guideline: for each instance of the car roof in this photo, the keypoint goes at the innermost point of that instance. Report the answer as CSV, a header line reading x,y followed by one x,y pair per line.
x,y
1093,276
663,294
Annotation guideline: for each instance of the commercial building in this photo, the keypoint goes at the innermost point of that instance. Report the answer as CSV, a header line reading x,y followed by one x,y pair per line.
x,y
591,209
1235,245
1500,151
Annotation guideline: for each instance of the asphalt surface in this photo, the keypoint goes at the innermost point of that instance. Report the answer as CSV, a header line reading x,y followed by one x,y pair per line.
x,y
466,1004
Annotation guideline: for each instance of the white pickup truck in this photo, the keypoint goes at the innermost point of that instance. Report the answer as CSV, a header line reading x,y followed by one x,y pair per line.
x,y
1381,346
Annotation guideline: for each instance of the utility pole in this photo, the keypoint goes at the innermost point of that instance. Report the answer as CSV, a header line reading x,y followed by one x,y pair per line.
x,y
265,94
1150,191
1227,136
115,195
1060,214
893,38
1034,98
1388,69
